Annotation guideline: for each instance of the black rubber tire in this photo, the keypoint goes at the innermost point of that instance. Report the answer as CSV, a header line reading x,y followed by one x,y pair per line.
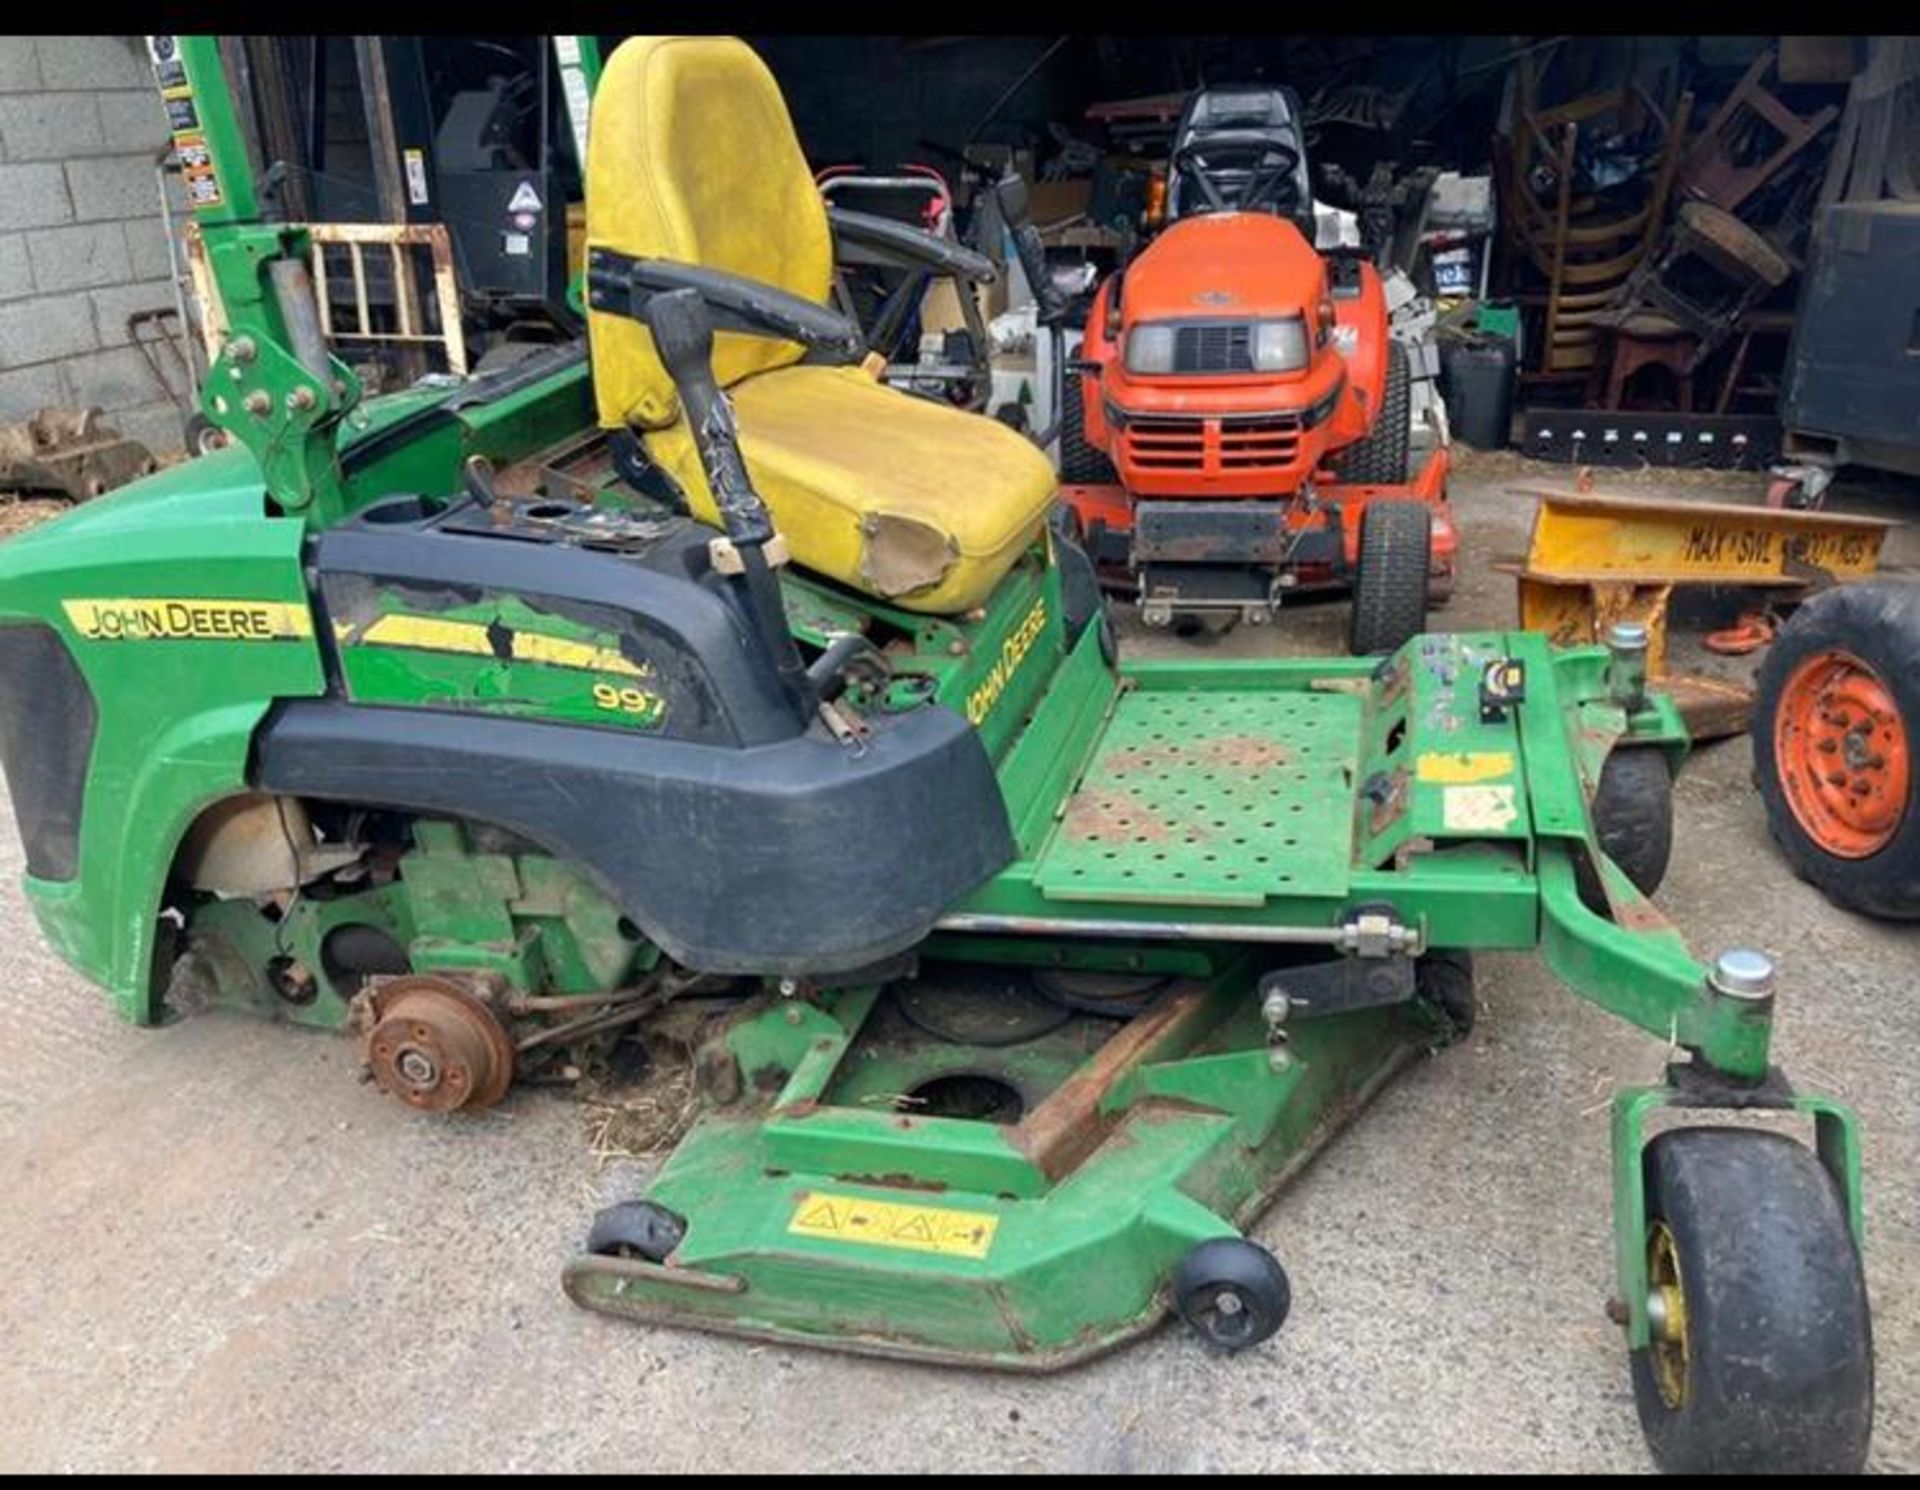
x,y
1250,1274
636,1228
1443,980
1633,814
1080,463
1779,1342
1390,581
1384,456
1878,621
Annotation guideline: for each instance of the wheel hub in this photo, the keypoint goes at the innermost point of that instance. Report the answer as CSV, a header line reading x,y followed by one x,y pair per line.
x,y
1667,1314
437,1046
1841,749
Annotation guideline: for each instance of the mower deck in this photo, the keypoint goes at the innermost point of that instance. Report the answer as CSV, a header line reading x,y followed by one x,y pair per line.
x,y
830,1216
1222,827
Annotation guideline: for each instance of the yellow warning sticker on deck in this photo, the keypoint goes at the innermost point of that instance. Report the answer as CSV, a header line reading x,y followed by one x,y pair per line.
x,y
1460,768
1477,809
882,1223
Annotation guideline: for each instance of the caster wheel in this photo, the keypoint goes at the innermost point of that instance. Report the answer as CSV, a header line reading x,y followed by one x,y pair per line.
x,y
1232,1291
1157,616
636,1228
1256,615
1762,1354
1443,980
1633,819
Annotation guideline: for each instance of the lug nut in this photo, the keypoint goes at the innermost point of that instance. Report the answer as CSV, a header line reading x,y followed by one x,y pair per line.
x,y
257,403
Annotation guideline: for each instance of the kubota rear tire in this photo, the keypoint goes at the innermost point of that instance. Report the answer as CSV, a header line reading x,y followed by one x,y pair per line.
x,y
1385,456
1080,463
1836,728
1390,581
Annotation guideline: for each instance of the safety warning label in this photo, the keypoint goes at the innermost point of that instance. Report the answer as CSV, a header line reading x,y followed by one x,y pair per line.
x,y
881,1223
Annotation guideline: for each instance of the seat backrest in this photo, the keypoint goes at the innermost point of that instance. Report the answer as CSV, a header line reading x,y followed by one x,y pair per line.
x,y
1268,110
691,156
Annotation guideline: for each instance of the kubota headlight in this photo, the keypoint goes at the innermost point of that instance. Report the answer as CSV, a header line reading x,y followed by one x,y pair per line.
x,y
1150,349
1280,346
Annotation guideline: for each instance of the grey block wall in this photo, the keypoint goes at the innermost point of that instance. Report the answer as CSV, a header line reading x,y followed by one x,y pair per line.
x,y
81,242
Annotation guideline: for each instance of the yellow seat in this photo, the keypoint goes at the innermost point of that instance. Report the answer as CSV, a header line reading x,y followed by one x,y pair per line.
x,y
692,157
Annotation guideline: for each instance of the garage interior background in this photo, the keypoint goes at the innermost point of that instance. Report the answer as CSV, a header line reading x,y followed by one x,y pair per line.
x,y
82,129
81,243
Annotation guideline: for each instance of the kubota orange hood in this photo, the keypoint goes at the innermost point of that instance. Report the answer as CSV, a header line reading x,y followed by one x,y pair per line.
x,y
1232,264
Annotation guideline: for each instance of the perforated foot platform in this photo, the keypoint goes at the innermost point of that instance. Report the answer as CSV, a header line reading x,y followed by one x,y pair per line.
x,y
1205,798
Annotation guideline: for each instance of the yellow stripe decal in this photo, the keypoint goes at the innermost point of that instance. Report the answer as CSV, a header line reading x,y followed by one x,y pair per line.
x,y
428,634
881,1223
220,619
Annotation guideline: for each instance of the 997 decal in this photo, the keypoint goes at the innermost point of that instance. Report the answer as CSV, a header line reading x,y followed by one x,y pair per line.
x,y
645,709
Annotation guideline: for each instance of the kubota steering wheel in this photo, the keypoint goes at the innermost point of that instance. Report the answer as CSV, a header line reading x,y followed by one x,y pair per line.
x,y
1270,163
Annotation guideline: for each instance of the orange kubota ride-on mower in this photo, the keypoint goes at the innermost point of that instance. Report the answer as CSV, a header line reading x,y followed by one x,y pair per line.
x,y
1236,429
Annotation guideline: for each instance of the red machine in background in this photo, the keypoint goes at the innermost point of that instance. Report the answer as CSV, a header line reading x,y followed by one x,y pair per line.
x,y
1237,428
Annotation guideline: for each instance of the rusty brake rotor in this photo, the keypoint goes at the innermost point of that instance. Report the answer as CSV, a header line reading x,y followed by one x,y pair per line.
x,y
436,1045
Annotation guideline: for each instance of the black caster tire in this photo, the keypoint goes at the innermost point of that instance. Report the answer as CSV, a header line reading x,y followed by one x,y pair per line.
x,y
1443,980
1849,654
1232,1292
1390,581
1771,1371
1633,816
636,1228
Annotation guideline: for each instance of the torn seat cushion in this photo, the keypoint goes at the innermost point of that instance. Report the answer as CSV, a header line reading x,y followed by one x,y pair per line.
x,y
897,496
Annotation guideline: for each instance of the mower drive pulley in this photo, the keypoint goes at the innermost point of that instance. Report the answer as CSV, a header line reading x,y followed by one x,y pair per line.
x,y
988,1006
436,1045
1114,995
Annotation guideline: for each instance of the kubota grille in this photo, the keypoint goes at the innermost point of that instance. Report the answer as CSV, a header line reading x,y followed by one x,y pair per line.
x,y
1219,347
1183,442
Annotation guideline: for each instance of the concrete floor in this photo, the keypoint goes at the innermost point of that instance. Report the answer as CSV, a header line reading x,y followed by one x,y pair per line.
x,y
224,1253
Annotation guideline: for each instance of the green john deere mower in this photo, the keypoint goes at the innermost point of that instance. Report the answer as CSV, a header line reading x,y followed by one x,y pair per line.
x,y
711,686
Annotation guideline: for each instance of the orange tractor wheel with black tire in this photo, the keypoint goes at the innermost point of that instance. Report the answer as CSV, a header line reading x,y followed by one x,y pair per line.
x,y
1836,724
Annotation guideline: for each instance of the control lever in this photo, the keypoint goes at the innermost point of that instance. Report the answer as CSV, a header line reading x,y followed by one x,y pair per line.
x,y
847,656
683,336
479,474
